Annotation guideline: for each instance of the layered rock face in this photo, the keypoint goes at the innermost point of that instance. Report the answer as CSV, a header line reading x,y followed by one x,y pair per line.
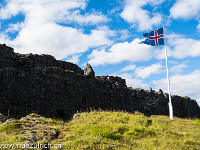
x,y
41,84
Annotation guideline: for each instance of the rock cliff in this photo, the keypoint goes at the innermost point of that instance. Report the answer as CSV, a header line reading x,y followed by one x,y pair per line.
x,y
41,84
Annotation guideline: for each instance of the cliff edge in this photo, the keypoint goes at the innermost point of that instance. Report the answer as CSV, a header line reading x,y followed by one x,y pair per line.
x,y
41,84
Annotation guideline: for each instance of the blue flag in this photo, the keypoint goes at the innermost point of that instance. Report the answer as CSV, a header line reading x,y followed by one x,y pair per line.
x,y
154,38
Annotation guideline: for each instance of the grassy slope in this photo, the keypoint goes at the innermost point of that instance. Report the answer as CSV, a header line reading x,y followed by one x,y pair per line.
x,y
108,130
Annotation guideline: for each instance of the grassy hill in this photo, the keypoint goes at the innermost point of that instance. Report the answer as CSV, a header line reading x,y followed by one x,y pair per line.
x,y
101,130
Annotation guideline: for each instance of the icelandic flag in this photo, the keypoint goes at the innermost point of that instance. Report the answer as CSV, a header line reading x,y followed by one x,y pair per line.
x,y
154,38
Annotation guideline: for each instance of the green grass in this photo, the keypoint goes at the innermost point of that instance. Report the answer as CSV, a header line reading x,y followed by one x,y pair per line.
x,y
197,121
101,130
10,127
34,115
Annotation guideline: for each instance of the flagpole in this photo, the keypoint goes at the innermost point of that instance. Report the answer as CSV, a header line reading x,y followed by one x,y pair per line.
x,y
168,81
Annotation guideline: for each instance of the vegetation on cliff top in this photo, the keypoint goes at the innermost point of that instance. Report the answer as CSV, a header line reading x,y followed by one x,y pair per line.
x,y
104,130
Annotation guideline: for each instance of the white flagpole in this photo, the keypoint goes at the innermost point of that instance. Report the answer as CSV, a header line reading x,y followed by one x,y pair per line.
x,y
168,81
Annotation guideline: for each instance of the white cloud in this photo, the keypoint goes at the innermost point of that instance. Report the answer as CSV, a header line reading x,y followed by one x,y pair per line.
x,y
136,83
54,10
74,59
144,72
185,9
128,68
114,11
198,27
134,13
41,32
89,18
183,85
179,47
121,52
57,40
132,82
178,68
124,34
160,53
12,28
184,47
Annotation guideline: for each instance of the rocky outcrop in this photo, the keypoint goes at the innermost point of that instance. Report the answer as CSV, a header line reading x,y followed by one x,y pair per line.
x,y
89,71
26,62
41,84
35,128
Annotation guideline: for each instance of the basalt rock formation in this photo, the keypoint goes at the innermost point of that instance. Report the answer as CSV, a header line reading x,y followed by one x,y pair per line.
x,y
89,71
41,84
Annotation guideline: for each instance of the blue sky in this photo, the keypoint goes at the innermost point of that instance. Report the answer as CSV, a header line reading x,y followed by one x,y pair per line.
x,y
106,34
